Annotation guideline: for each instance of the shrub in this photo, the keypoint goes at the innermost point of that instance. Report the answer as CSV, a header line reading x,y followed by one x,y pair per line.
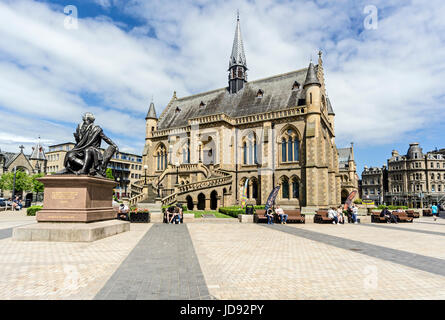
x,y
234,211
381,207
31,211
358,201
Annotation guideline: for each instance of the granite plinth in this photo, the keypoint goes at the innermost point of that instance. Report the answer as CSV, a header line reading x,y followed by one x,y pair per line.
x,y
69,232
71,198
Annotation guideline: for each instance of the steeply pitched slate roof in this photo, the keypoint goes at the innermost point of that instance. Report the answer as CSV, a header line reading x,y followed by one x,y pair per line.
x,y
238,57
330,109
277,94
344,155
151,114
10,157
38,153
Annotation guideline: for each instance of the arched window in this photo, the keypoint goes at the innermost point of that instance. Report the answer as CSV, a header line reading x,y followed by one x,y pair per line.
x,y
290,149
250,149
296,150
161,157
290,146
283,150
295,189
254,189
285,189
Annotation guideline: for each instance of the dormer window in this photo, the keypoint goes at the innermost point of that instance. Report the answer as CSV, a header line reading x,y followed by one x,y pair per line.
x,y
260,93
202,104
178,110
295,86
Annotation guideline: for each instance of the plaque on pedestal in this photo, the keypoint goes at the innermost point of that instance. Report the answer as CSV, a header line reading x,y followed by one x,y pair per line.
x,y
71,198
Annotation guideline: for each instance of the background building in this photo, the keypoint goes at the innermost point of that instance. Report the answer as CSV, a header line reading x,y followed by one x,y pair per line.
x,y
415,179
374,184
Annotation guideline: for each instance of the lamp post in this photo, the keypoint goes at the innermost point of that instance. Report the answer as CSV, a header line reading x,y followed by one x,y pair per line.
x,y
120,192
177,172
13,183
145,170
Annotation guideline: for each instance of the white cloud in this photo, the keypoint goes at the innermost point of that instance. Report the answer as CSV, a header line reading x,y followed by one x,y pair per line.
x,y
384,84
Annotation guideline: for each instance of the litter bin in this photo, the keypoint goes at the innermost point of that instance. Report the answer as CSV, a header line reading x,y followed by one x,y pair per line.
x,y
249,209
27,203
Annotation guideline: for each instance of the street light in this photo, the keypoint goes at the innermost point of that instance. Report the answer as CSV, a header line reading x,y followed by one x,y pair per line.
x,y
120,191
145,169
177,172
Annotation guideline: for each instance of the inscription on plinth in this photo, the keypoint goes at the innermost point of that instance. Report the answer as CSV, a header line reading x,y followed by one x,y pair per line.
x,y
76,199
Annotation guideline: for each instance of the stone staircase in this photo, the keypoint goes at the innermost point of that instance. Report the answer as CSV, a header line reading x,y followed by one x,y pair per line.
x,y
214,177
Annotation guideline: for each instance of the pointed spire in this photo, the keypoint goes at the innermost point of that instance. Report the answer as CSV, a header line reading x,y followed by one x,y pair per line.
x,y
311,76
330,109
38,152
238,56
151,114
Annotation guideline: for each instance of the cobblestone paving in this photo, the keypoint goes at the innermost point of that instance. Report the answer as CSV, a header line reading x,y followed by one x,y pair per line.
x,y
61,270
163,265
259,262
230,261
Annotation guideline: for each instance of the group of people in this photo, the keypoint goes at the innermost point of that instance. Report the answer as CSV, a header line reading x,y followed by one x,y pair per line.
x,y
280,212
15,204
336,214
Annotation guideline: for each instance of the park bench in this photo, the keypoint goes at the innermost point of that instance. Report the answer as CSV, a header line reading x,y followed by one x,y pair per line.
x,y
402,216
293,216
412,214
376,218
321,216
427,212
259,216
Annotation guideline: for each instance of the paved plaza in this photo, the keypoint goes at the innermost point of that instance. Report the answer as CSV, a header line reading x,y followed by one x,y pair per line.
x,y
230,261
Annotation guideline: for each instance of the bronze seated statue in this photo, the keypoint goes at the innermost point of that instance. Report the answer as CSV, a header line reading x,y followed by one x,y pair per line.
x,y
86,157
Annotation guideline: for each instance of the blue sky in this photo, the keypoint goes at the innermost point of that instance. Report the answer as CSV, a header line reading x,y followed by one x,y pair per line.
x,y
385,84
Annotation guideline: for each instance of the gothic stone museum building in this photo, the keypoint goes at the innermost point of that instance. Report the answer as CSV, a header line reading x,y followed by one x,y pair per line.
x,y
274,131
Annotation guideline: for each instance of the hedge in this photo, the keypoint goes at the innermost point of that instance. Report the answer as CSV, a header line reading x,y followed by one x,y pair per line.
x,y
234,211
31,211
381,207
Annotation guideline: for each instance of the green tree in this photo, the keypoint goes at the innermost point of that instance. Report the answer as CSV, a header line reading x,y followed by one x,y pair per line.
x,y
22,181
37,186
109,174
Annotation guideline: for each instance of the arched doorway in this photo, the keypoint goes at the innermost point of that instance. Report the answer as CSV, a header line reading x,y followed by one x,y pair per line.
x,y
344,195
214,200
201,201
189,202
223,197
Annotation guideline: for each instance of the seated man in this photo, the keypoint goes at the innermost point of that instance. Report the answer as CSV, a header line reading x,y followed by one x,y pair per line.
x,y
280,212
86,156
176,216
269,216
388,216
123,212
333,215
17,203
